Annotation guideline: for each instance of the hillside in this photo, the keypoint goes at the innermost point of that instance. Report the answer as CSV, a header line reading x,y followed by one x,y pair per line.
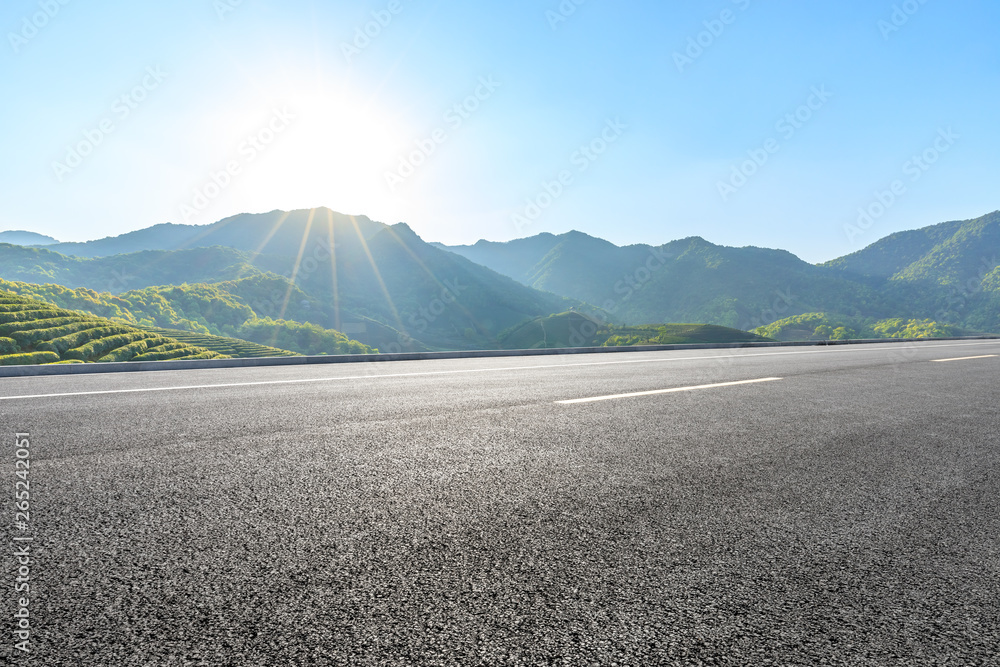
x,y
949,252
123,272
384,287
205,315
573,329
689,280
33,332
273,233
941,273
945,271
230,347
826,326
20,237
381,285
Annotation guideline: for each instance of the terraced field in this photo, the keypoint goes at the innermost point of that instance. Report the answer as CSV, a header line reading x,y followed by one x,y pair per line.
x,y
34,332
233,347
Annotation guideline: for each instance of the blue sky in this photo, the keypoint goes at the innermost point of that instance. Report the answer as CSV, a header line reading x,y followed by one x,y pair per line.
x,y
742,121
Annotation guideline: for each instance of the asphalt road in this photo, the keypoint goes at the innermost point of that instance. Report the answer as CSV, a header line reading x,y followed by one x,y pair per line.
x,y
845,511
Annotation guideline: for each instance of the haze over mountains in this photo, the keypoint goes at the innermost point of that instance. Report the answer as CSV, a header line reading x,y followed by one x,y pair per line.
x,y
387,287
21,237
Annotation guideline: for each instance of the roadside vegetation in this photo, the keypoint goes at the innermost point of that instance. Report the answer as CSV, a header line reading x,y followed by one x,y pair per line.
x,y
826,326
233,347
209,316
575,329
34,332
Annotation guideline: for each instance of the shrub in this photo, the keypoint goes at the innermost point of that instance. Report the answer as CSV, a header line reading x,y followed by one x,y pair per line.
x,y
9,346
302,337
47,323
99,347
167,351
127,352
27,358
73,340
25,315
33,337
202,355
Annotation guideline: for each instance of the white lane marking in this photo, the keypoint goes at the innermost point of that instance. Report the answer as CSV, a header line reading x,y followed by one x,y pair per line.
x,y
981,356
832,348
663,391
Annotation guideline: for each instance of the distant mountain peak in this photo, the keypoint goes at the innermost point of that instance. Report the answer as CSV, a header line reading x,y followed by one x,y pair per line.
x,y
22,237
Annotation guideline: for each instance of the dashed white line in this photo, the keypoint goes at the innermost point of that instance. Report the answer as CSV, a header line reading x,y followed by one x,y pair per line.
x,y
981,356
663,391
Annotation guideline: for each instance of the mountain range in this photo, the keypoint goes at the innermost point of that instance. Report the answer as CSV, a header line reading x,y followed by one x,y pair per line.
x,y
945,272
386,287
380,284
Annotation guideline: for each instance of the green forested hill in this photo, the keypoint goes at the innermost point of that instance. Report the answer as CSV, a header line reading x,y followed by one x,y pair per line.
x,y
573,329
202,314
944,272
233,347
826,326
381,285
945,253
937,273
34,332
123,272
689,280
384,287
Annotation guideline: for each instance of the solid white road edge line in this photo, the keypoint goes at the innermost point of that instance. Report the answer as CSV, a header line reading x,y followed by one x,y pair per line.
x,y
663,391
833,348
981,356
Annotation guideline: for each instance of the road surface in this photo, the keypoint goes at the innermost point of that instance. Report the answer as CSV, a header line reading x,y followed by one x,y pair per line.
x,y
777,506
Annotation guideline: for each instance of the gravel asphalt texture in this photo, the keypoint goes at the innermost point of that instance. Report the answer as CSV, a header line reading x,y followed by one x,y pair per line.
x,y
452,513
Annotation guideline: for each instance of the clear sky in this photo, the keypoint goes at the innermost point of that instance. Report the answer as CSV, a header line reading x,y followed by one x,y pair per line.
x,y
746,122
